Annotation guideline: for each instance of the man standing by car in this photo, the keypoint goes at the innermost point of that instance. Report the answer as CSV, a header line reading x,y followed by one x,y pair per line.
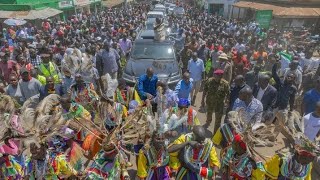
x,y
184,86
107,62
147,85
125,45
196,70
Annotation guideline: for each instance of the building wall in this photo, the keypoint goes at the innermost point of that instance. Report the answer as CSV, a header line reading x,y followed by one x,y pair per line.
x,y
227,5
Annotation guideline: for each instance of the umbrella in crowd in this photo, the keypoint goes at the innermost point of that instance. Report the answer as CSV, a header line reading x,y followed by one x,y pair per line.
x,y
15,22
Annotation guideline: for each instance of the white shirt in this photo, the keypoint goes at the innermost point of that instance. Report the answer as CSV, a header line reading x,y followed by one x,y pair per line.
x,y
261,93
196,68
311,126
240,47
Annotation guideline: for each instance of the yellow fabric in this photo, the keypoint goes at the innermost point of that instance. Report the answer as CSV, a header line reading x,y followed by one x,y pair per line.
x,y
42,79
137,98
196,121
51,72
174,162
257,174
309,174
214,161
142,169
272,168
217,138
124,111
63,168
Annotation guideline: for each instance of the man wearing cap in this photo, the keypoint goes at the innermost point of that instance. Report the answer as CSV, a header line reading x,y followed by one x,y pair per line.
x,y
196,70
48,68
216,92
226,66
29,86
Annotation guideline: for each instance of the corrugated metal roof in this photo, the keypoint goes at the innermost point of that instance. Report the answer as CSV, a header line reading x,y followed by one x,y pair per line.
x,y
30,15
282,11
111,3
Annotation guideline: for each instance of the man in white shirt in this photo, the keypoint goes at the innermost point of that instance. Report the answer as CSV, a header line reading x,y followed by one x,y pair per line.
x,y
311,124
240,47
309,63
196,70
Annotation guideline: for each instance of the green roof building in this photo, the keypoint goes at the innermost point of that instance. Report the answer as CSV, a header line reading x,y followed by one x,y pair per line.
x,y
69,7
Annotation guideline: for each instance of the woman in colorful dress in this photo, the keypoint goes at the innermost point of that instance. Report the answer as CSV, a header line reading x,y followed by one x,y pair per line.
x,y
238,164
193,156
153,160
295,165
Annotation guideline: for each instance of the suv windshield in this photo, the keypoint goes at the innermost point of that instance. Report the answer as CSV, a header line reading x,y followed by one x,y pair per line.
x,y
154,16
152,51
149,26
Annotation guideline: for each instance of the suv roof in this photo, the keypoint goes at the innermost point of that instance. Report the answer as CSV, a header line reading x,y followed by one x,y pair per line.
x,y
155,12
151,41
159,6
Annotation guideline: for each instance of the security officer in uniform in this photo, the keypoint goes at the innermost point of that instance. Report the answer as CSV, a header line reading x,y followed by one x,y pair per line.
x,y
216,92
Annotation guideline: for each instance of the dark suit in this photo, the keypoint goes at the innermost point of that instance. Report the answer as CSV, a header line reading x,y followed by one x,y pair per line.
x,y
269,97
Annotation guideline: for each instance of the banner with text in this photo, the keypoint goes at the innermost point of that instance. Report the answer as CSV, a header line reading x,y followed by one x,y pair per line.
x,y
264,17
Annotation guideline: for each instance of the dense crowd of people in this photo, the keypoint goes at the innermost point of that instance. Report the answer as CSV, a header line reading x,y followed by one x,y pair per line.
x,y
67,113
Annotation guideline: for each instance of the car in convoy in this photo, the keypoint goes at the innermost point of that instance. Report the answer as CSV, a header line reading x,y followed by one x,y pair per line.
x,y
155,14
179,11
167,5
171,8
158,55
160,8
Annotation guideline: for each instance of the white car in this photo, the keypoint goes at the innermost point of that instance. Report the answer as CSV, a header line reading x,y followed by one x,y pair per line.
x,y
171,8
167,5
155,14
160,8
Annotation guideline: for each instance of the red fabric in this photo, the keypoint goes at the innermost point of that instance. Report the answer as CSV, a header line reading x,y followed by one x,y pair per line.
x,y
123,94
196,153
238,139
190,117
305,153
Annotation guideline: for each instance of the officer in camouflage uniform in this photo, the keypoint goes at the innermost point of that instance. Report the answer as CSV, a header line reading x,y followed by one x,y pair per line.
x,y
216,91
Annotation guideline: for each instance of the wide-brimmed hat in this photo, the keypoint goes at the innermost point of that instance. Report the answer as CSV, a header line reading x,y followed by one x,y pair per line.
x,y
223,56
